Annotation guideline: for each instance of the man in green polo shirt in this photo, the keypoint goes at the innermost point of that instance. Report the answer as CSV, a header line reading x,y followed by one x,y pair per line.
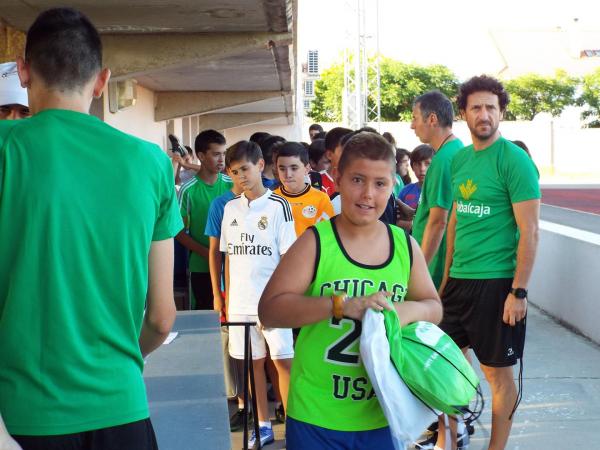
x,y
87,217
492,240
432,119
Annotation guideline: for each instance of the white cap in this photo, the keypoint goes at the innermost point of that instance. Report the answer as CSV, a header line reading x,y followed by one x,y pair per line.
x,y
11,92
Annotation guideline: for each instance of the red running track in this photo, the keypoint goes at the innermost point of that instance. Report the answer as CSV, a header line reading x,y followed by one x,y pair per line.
x,y
587,200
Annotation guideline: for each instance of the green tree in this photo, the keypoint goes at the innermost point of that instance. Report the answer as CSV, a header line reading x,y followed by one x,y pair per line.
x,y
590,99
327,105
532,94
400,84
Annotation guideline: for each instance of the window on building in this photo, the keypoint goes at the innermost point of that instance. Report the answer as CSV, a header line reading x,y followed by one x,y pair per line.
x,y
306,104
590,53
309,87
313,62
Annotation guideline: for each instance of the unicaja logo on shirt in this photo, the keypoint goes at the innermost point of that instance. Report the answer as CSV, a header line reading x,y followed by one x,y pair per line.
x,y
470,208
467,190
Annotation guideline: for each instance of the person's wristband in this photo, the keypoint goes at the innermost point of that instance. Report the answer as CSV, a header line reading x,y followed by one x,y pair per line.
x,y
338,305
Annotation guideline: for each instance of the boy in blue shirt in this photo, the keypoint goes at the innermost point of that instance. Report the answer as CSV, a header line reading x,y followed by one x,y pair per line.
x,y
420,159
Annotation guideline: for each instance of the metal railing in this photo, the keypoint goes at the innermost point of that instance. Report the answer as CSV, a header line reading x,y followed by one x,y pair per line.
x,y
248,382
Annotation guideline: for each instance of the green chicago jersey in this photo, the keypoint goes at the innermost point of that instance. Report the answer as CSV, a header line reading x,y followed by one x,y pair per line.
x,y
485,185
436,193
329,386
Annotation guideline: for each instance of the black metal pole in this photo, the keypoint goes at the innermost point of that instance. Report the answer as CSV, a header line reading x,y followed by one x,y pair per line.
x,y
246,338
248,377
257,444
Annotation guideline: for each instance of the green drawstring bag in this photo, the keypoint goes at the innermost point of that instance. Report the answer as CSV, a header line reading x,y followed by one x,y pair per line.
x,y
431,364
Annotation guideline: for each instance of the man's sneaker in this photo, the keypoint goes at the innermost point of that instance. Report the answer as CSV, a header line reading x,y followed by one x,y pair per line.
x,y
462,443
266,437
280,414
427,444
236,421
470,428
431,430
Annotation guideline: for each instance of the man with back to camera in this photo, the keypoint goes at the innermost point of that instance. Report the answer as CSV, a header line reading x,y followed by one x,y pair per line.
x,y
13,98
491,244
80,260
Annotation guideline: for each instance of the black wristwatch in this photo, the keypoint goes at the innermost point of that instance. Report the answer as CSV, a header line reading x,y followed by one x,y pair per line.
x,y
519,292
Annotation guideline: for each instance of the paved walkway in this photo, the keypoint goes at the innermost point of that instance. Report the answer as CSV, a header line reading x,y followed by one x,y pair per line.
x,y
561,398
560,407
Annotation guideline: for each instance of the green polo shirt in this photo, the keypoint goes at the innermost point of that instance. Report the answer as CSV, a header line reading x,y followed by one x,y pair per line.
x,y
436,193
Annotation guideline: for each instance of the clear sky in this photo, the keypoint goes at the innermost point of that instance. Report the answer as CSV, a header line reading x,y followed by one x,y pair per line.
x,y
454,33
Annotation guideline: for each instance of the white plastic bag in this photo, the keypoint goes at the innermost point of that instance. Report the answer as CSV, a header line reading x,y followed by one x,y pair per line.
x,y
407,416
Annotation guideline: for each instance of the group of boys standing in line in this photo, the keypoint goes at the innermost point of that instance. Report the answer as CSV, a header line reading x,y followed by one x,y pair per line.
x,y
481,202
343,254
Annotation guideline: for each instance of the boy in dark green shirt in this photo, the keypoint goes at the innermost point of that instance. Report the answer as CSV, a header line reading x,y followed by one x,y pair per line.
x,y
195,198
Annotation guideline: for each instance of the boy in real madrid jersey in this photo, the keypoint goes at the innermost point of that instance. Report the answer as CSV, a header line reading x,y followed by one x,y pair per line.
x,y
309,205
257,229
327,280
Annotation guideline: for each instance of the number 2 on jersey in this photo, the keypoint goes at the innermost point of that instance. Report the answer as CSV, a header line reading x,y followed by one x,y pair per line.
x,y
339,351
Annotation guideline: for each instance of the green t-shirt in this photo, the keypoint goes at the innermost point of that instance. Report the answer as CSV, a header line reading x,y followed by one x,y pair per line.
x,y
436,193
485,184
398,186
80,204
195,198
329,386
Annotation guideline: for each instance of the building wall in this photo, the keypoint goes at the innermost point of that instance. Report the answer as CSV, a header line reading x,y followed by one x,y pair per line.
x,y
564,281
575,150
290,132
138,120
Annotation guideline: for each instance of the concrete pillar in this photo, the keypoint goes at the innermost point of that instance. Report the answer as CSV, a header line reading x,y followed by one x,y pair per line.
x,y
194,130
185,131
178,128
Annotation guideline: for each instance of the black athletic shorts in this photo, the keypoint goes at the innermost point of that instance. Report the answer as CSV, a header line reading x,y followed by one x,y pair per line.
x,y
473,311
202,290
131,436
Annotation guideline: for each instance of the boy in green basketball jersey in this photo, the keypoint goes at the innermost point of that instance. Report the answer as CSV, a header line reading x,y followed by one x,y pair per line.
x,y
326,281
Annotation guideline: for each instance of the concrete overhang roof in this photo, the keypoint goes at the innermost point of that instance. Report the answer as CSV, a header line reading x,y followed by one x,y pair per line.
x,y
207,48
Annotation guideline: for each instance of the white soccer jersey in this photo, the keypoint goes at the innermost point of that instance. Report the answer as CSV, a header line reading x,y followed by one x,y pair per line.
x,y
254,235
